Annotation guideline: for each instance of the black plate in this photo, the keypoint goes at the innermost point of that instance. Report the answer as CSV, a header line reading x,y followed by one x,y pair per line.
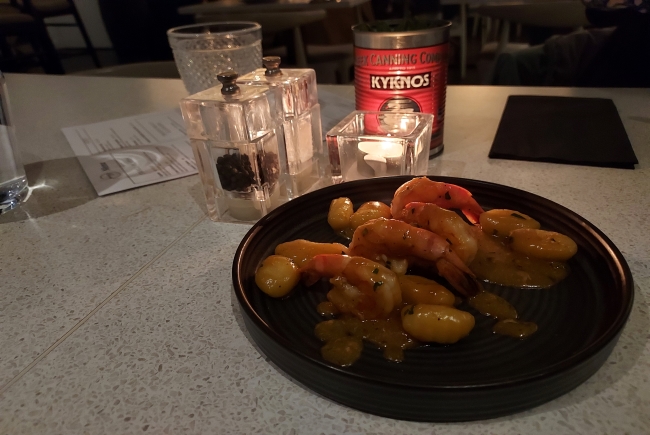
x,y
482,376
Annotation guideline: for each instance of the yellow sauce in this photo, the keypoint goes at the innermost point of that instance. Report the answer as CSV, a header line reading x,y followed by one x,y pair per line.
x,y
342,351
387,334
492,305
495,306
514,328
495,262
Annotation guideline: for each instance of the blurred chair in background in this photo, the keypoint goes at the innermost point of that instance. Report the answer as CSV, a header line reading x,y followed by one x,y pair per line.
x,y
17,28
162,70
42,9
138,28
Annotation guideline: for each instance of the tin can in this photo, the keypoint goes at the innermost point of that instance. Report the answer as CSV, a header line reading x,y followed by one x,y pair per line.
x,y
404,71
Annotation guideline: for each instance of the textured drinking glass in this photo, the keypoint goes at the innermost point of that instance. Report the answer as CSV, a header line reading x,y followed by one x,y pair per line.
x,y
376,144
13,183
202,51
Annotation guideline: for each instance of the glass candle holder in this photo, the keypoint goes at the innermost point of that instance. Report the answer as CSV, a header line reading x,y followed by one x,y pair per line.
x,y
304,157
367,144
235,133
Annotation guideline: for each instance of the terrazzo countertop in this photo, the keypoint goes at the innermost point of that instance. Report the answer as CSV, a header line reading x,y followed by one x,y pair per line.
x,y
118,315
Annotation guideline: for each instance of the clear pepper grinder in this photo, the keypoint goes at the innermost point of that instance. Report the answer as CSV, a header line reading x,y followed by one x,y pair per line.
x,y
304,158
235,131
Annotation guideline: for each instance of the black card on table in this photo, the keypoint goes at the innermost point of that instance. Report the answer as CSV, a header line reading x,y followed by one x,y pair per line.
x,y
578,131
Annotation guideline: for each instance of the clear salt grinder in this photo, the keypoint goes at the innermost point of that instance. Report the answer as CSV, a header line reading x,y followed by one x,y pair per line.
x,y
235,133
304,156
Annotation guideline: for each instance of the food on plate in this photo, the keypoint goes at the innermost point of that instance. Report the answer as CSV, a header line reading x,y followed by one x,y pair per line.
x,y
514,328
499,222
444,195
277,276
384,287
420,290
446,223
508,323
301,251
436,323
344,220
547,245
369,211
342,351
419,246
387,334
360,286
498,263
339,214
492,305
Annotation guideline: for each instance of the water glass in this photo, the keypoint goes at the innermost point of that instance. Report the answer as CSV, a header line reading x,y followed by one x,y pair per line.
x,y
13,183
202,51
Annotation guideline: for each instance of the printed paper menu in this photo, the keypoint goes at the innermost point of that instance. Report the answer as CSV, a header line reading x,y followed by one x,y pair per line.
x,y
130,152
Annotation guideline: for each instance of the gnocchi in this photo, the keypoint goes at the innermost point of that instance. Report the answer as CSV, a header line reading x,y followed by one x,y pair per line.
x,y
436,323
277,276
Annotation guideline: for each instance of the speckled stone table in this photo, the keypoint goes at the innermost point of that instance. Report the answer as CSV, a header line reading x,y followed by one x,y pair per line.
x,y
118,316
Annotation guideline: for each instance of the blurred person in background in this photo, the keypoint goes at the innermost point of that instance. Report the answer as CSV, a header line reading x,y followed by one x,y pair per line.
x,y
615,52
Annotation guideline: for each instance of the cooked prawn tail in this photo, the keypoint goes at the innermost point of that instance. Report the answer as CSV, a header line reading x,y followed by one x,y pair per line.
x,y
321,265
309,277
472,215
463,281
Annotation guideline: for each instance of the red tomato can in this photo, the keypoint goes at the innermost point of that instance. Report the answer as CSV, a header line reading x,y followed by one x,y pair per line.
x,y
404,71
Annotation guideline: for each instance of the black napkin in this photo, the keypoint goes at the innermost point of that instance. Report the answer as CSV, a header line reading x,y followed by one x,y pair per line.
x,y
579,131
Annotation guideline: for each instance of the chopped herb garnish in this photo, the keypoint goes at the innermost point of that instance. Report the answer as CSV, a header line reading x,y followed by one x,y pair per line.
x,y
377,284
518,216
405,235
447,196
409,311
375,270
364,232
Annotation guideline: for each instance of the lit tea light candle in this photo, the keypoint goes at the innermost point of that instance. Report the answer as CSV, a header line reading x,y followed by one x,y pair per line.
x,y
383,157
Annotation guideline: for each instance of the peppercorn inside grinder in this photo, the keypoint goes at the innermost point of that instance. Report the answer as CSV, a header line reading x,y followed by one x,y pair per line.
x,y
303,156
235,133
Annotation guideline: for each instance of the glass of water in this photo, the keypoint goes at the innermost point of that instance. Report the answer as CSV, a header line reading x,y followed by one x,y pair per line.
x,y
202,51
13,183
